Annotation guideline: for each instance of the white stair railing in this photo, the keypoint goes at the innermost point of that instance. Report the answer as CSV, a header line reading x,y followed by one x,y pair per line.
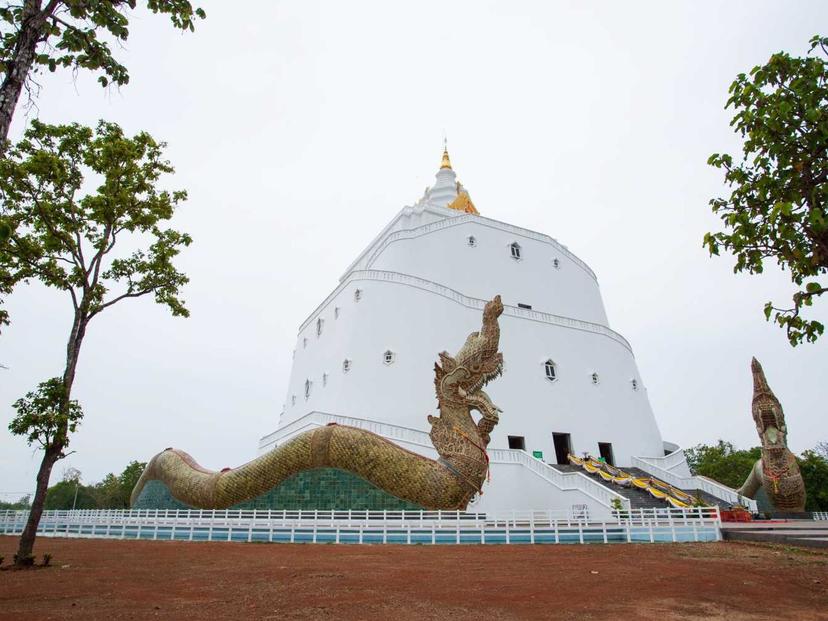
x,y
714,488
562,480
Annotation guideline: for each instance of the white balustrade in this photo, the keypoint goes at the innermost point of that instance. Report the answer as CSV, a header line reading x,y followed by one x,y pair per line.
x,y
315,419
667,462
714,488
562,480
448,527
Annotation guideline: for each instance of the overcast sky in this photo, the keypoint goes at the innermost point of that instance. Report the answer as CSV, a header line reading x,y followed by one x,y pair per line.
x,y
300,128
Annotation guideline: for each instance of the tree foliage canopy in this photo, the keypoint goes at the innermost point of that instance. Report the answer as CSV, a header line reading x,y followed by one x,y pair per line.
x,y
62,232
23,504
74,33
42,417
778,206
69,494
112,492
730,466
814,468
722,462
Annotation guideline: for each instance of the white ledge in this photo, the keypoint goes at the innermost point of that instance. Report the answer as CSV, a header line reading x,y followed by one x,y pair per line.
x,y
468,302
425,229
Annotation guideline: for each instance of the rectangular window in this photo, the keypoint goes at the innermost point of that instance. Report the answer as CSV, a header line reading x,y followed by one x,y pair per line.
x,y
517,442
563,447
605,451
526,306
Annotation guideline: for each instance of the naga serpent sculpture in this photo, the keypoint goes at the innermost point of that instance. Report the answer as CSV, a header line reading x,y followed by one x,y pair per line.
x,y
777,470
447,483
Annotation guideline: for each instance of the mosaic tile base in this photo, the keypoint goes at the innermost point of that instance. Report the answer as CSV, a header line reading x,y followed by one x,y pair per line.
x,y
323,489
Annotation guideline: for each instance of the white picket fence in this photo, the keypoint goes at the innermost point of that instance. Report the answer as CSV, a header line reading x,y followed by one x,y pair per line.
x,y
820,515
402,527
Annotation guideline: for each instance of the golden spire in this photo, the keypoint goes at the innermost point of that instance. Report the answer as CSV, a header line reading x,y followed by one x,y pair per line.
x,y
446,163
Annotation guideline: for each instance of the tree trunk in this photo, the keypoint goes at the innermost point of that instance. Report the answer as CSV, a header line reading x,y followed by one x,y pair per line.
x,y
54,451
27,539
20,64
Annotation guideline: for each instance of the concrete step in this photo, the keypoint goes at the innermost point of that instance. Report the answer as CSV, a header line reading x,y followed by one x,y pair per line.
x,y
640,498
813,534
708,499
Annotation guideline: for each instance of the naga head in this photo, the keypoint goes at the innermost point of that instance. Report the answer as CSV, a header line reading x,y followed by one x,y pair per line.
x,y
459,380
478,361
492,310
767,411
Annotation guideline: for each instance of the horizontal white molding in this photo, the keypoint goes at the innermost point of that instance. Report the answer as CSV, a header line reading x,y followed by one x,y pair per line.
x,y
315,419
468,302
440,225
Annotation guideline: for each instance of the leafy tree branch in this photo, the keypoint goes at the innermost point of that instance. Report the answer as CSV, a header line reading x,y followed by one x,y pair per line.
x,y
778,205
70,34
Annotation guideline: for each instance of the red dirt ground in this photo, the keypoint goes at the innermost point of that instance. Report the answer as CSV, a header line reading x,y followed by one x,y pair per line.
x,y
107,579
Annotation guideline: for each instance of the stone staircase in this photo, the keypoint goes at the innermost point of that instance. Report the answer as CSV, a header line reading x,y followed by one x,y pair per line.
x,y
638,497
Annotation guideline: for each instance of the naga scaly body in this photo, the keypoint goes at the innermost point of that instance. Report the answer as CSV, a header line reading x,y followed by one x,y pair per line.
x,y
447,483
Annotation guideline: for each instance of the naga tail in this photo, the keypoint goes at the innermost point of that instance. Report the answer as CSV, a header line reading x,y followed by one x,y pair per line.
x,y
399,472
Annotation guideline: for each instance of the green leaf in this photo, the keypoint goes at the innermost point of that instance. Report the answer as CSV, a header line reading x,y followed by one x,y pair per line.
x,y
777,207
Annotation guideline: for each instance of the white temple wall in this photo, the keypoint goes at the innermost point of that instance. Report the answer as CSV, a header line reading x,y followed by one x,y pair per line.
x,y
408,218
515,488
421,290
416,324
444,256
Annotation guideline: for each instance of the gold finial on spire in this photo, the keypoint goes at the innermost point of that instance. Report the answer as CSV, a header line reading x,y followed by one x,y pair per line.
x,y
446,163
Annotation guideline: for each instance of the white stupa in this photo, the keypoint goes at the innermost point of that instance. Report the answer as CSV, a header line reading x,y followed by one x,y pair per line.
x,y
365,355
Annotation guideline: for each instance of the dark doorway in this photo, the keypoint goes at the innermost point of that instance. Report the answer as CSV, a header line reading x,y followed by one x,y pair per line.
x,y
605,450
563,447
517,442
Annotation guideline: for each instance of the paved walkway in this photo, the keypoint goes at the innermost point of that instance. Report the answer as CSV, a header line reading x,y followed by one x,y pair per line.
x,y
791,532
